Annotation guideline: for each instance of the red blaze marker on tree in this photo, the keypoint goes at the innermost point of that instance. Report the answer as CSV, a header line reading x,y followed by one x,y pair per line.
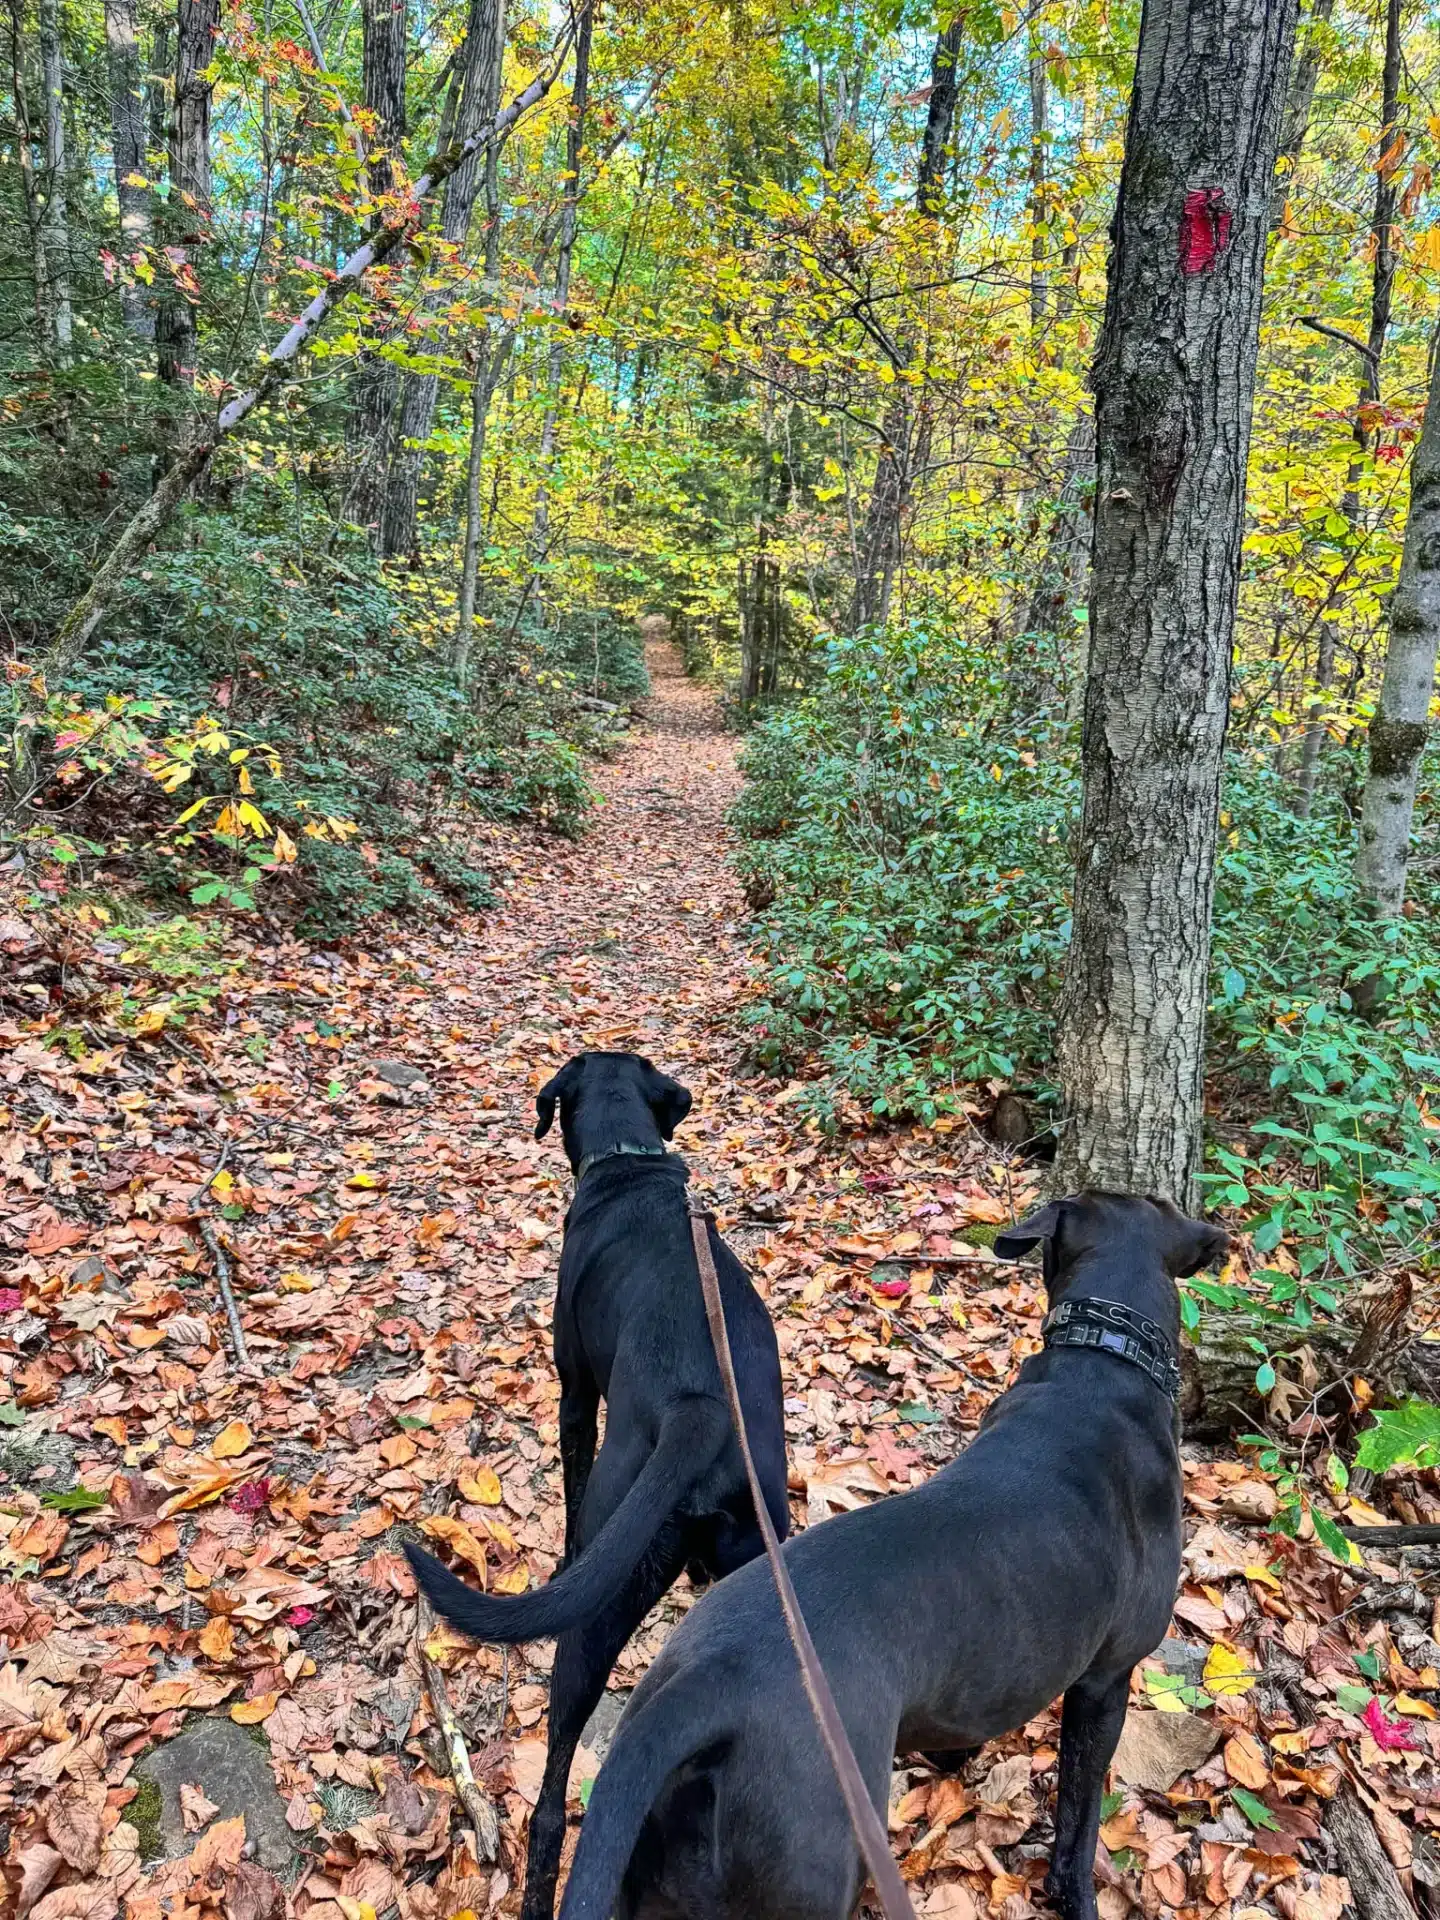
x,y
1204,229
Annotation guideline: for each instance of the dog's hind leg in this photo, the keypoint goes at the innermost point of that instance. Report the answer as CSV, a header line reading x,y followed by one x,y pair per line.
x,y
579,1405
1090,1726
583,1660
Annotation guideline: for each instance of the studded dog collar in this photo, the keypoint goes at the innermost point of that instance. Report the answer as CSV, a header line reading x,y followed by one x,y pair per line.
x,y
612,1153
1106,1326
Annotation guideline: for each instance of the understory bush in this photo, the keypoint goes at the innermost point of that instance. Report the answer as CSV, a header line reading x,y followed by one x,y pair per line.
x,y
249,731
907,841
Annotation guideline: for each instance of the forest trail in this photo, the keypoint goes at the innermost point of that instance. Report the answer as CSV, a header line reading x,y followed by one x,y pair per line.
x,y
351,1132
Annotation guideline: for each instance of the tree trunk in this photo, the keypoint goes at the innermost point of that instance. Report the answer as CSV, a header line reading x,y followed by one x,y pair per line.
x,y
1039,151
1299,100
905,430
127,123
57,209
267,373
565,249
30,186
479,99
370,427
1173,382
1382,288
187,219
1401,726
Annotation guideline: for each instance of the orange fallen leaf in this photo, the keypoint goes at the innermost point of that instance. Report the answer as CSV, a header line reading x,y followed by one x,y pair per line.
x,y
114,1428
217,1640
458,1537
513,1580
1245,1762
230,1441
482,1486
143,1337
249,1713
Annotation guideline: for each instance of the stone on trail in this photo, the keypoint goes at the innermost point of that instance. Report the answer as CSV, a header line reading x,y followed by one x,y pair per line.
x,y
1156,1748
232,1769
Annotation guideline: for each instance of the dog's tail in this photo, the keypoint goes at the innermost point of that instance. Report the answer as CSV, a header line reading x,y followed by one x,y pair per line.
x,y
679,1720
690,1437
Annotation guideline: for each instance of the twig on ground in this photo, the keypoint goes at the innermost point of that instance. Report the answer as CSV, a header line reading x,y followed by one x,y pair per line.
x,y
479,1811
1392,1536
222,1274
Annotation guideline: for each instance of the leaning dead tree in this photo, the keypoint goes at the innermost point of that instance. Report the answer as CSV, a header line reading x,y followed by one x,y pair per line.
x,y
269,372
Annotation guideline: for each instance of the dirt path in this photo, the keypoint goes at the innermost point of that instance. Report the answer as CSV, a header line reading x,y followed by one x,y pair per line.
x,y
353,1133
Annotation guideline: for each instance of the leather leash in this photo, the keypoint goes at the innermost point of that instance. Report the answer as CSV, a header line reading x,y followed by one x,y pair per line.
x,y
869,1831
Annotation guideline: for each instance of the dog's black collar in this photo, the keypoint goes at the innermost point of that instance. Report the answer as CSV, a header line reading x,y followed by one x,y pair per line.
x,y
611,1153
1108,1327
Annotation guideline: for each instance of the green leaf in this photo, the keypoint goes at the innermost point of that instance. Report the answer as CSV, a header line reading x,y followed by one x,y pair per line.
x,y
1352,1699
410,1420
11,1415
1265,1376
1407,1436
77,1500
1255,1811
1331,1538
1370,1665
918,1414
1110,1805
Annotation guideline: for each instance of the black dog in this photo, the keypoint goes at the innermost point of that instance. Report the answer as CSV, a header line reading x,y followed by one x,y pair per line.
x,y
1043,1561
668,1489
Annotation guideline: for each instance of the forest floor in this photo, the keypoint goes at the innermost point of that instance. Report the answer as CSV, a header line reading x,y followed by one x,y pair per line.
x,y
213,1700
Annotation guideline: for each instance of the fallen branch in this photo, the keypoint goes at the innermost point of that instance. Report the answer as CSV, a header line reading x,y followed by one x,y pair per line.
x,y
484,1821
1393,1536
270,371
222,1274
1375,1886
912,1259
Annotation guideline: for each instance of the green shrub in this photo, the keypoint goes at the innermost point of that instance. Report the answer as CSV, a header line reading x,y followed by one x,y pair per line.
x,y
914,842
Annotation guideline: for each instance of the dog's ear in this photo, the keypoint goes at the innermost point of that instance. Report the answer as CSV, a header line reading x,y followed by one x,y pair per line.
x,y
1015,1242
553,1090
668,1101
1195,1244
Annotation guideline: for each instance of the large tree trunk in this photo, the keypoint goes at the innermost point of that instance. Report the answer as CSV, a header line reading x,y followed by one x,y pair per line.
x,y
905,430
1173,381
1401,726
564,256
188,206
29,185
1299,100
127,122
1382,288
370,428
1038,210
57,204
479,100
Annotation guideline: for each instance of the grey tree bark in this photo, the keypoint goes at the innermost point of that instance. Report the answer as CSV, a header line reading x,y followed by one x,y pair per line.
x,y
127,124
1173,382
1299,100
479,99
906,428
489,369
1382,288
57,201
29,184
371,424
1401,726
187,221
564,257
1038,210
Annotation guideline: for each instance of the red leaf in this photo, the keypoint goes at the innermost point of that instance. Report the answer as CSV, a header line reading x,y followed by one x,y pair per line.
x,y
1390,1735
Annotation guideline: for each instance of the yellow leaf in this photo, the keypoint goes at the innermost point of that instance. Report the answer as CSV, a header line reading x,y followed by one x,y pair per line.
x,y
199,1495
1263,1577
364,1180
458,1537
354,1909
517,1580
245,783
285,848
223,1183
151,1021
249,1713
1404,1703
482,1486
1228,1672
252,818
190,812
236,1438
217,1641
